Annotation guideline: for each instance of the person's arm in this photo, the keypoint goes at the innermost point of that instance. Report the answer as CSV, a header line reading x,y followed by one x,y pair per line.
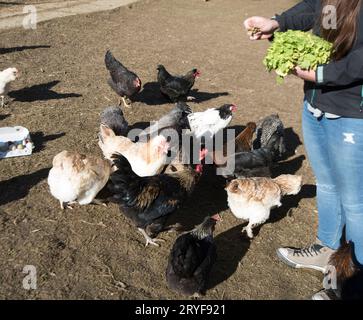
x,y
300,17
342,72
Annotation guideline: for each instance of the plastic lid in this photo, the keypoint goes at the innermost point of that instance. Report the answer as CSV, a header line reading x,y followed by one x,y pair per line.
x,y
13,133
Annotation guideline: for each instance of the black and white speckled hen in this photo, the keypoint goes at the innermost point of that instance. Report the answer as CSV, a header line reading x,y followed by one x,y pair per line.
x,y
191,259
123,81
176,87
271,125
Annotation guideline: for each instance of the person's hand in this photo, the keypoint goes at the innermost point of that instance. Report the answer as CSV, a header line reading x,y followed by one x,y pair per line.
x,y
266,27
305,74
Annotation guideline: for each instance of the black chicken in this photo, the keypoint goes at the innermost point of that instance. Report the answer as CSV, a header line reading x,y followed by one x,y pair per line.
x,y
255,163
176,87
113,118
148,201
191,259
124,82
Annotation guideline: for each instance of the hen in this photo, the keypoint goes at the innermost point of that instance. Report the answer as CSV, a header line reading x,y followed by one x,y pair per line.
x,y
344,274
123,81
255,163
76,178
7,76
146,158
252,198
176,87
243,143
207,123
271,125
148,201
113,118
191,259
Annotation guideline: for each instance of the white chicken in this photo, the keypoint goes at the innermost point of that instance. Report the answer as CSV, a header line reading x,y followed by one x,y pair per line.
x,y
7,76
76,178
145,158
253,198
208,123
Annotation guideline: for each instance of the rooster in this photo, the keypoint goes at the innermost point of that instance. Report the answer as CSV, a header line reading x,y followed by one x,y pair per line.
x,y
148,201
207,123
176,87
191,259
146,158
113,118
123,81
76,178
252,198
7,76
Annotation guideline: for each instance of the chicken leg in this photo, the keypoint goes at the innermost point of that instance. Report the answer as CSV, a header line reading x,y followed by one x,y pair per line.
x,y
148,239
2,102
124,102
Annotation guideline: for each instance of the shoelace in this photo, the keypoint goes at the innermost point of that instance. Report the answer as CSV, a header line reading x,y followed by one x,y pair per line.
x,y
311,251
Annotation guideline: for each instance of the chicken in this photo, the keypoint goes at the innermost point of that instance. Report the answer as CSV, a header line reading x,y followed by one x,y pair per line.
x,y
148,201
255,163
252,198
123,81
7,76
177,119
344,275
113,118
191,259
265,129
176,87
146,158
76,178
207,123
243,143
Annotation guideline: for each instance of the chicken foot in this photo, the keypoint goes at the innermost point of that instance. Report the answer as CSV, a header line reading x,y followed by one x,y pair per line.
x,y
3,102
148,239
123,100
68,204
99,202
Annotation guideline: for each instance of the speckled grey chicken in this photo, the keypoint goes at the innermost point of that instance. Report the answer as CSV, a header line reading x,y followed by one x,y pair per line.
x,y
113,118
266,128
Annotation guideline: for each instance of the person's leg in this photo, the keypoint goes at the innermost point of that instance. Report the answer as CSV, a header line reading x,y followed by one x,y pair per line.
x,y
317,141
346,149
330,215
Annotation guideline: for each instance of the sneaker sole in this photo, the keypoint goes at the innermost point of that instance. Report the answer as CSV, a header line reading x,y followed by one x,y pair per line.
x,y
296,265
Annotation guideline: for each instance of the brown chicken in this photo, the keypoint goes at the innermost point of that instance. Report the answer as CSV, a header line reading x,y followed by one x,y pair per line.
x,y
243,143
76,178
146,158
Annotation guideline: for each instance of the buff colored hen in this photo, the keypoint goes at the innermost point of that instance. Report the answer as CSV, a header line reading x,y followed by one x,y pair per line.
x,y
76,178
252,198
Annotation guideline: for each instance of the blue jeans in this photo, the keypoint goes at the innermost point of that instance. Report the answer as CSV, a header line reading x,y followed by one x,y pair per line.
x,y
335,152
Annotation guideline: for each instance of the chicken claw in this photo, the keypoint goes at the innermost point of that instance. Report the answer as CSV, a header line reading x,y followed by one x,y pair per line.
x,y
149,240
99,202
124,102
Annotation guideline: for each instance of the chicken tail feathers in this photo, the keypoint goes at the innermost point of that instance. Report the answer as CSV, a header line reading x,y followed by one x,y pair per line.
x,y
125,184
111,62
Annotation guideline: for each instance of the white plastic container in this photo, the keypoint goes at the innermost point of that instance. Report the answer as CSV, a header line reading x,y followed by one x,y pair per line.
x,y
15,142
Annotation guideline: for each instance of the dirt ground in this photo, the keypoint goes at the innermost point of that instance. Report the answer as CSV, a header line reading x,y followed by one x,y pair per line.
x,y
89,252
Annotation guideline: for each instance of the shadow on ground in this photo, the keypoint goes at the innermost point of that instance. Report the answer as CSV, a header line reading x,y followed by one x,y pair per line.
x,y
151,95
18,187
41,92
21,48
